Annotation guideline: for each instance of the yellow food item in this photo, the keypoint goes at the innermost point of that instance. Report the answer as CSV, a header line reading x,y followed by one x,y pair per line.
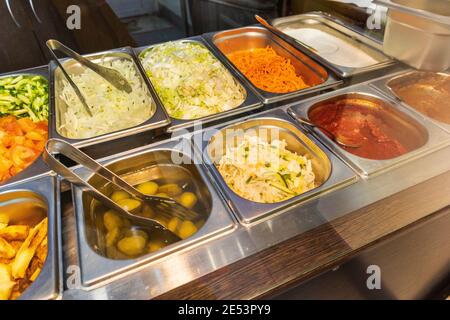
x,y
119,195
4,220
14,233
173,224
148,188
155,245
112,221
171,189
28,249
162,220
136,232
132,246
7,251
6,283
129,204
112,237
188,199
187,229
147,212
162,195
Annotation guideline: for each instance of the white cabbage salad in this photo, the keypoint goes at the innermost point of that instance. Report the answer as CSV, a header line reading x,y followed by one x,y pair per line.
x,y
111,108
190,81
265,172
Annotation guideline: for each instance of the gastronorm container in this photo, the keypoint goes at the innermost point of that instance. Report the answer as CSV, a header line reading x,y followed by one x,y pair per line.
x,y
386,85
38,167
424,137
158,120
330,172
34,195
316,76
339,32
137,166
251,101
418,33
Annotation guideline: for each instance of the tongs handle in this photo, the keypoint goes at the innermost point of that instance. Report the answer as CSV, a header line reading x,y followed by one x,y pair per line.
x,y
50,45
55,146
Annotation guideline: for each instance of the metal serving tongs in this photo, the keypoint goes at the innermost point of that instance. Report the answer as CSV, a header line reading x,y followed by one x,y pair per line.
x,y
112,76
278,32
164,206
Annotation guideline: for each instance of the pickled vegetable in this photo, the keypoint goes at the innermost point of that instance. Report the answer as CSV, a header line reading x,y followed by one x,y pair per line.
x,y
124,240
112,237
171,189
187,229
112,221
129,204
132,246
148,188
119,195
188,199
173,224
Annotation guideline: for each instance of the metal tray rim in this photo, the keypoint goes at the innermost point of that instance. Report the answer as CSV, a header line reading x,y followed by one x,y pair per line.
x,y
437,139
159,119
251,101
340,174
219,223
270,97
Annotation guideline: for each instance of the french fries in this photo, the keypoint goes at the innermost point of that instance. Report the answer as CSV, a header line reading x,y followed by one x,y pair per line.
x,y
23,251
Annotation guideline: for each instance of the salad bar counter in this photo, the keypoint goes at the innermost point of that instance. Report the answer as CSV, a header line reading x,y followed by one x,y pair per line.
x,y
289,165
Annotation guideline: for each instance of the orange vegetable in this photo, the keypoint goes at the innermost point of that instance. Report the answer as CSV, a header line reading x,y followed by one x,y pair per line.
x,y
21,142
267,70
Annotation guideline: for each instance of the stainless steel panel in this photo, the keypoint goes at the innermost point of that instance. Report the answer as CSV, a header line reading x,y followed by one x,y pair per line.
x,y
331,174
424,23
159,118
435,139
43,192
316,76
38,167
343,33
251,102
95,267
385,86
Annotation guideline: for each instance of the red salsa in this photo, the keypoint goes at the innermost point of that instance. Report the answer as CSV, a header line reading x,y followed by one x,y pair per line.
x,y
363,126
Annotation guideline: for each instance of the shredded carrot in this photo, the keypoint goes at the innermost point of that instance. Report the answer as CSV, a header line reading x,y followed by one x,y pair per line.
x,y
267,70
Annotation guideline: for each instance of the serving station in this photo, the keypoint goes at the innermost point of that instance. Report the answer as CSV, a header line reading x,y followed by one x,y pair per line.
x,y
347,145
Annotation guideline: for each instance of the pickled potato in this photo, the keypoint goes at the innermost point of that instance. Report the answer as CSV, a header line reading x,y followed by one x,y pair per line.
x,y
123,240
187,229
119,195
148,188
129,204
188,199
132,246
112,237
112,221
173,224
171,189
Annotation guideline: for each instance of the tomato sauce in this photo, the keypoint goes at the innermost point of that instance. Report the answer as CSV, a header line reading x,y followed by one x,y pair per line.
x,y
361,126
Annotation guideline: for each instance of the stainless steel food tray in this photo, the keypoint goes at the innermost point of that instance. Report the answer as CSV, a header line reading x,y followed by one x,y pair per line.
x,y
436,137
245,38
251,101
45,190
159,119
346,32
96,268
332,173
38,167
383,85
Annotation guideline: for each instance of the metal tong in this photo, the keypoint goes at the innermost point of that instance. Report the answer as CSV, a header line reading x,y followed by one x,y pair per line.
x,y
164,206
112,76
